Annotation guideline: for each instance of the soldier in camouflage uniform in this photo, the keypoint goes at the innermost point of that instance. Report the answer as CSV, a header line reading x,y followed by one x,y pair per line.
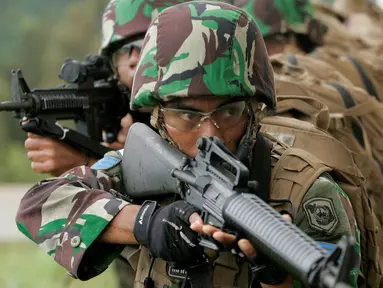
x,y
219,87
293,27
287,26
124,25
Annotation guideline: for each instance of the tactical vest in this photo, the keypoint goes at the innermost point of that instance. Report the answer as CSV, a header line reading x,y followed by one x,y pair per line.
x,y
332,154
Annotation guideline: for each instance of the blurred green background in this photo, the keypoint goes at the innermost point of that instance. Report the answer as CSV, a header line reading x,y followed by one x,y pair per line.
x,y
37,36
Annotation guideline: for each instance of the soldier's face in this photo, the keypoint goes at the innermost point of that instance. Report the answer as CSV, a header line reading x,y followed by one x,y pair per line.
x,y
126,67
186,137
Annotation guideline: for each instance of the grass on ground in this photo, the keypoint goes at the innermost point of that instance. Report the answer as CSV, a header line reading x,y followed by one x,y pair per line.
x,y
25,265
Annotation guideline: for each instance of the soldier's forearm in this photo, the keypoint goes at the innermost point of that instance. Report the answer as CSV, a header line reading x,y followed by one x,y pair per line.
x,y
120,229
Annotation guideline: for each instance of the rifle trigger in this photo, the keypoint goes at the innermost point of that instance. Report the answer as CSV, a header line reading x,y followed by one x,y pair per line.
x,y
208,244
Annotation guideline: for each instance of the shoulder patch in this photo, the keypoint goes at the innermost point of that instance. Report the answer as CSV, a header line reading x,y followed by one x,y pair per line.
x,y
321,214
106,163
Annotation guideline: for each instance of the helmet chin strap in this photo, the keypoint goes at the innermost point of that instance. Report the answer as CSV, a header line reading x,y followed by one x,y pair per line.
x,y
244,147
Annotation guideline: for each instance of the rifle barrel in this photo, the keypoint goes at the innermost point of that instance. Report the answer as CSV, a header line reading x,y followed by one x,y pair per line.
x,y
14,106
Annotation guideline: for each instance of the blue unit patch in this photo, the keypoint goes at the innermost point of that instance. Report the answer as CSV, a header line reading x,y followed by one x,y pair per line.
x,y
106,163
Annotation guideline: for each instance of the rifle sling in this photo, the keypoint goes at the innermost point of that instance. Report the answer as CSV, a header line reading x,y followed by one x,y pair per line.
x,y
262,160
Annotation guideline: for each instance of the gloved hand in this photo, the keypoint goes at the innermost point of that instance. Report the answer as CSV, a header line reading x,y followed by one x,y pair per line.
x,y
165,232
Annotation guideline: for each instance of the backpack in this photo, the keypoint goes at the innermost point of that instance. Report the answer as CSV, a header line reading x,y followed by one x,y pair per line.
x,y
363,68
301,63
355,118
337,158
351,52
368,25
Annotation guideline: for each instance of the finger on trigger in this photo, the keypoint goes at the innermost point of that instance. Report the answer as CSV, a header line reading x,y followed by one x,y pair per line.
x,y
223,237
209,230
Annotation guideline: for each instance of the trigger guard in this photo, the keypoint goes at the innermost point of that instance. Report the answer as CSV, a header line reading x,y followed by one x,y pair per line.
x,y
31,126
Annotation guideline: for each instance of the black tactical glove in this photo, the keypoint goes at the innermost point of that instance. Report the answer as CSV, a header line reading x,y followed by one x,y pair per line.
x,y
165,232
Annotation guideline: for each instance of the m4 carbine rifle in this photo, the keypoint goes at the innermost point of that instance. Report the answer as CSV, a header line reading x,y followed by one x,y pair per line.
x,y
93,98
218,185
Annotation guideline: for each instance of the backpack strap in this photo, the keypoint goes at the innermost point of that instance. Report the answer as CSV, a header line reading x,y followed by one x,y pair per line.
x,y
349,102
357,129
366,80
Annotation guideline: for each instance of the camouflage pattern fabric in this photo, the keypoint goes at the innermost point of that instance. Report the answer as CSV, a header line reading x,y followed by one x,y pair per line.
x,y
284,16
65,215
233,61
124,19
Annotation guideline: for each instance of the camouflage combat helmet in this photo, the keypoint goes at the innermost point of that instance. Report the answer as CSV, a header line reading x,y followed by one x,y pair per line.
x,y
203,49
283,16
128,20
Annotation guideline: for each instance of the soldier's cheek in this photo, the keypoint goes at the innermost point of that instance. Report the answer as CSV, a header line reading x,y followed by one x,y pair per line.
x,y
186,141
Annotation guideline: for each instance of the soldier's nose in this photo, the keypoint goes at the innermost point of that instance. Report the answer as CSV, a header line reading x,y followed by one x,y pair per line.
x,y
209,128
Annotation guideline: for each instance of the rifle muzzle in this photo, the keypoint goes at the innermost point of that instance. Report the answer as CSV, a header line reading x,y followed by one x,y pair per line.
x,y
14,106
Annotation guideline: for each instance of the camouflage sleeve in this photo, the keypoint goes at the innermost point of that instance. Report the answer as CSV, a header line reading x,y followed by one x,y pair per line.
x,y
326,215
65,215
